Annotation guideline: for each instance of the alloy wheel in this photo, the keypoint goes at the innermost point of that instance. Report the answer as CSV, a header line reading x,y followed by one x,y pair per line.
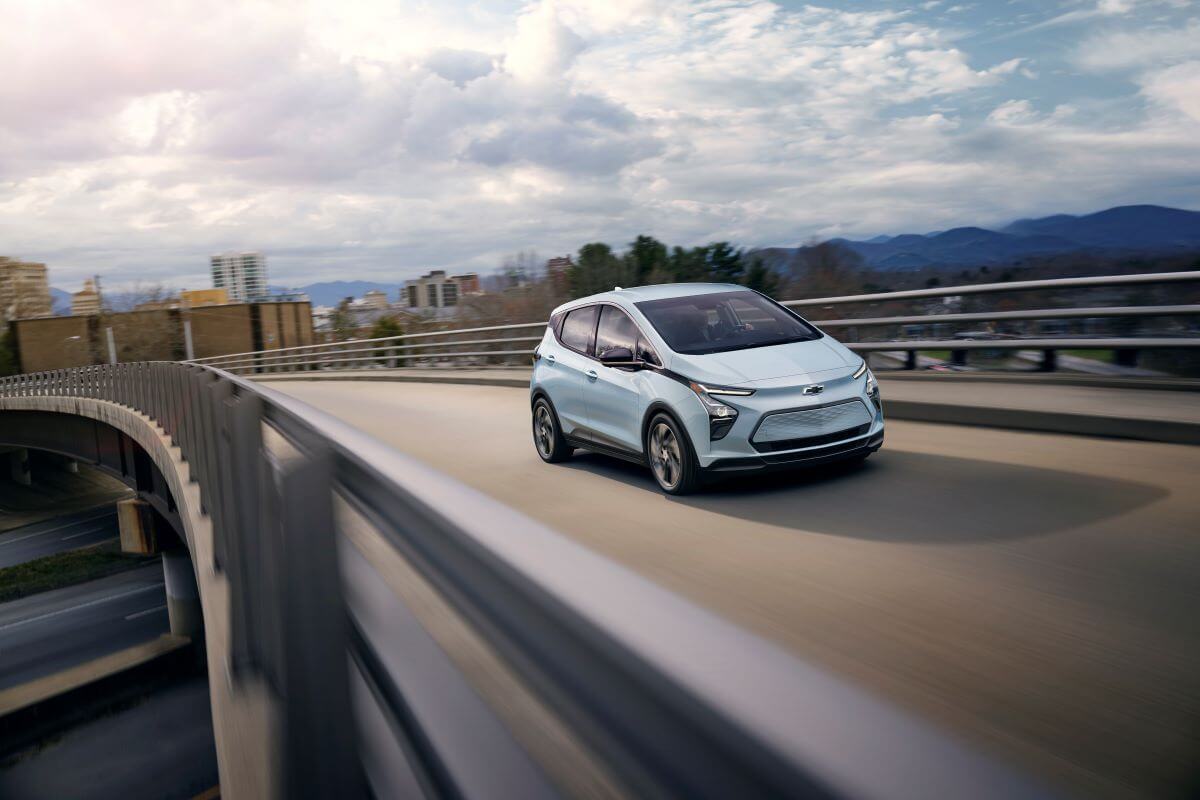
x,y
543,430
666,459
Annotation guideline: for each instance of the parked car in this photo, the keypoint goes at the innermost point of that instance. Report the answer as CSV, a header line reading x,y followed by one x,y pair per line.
x,y
698,380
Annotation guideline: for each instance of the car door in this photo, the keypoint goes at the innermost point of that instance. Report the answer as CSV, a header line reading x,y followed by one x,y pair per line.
x,y
567,365
613,394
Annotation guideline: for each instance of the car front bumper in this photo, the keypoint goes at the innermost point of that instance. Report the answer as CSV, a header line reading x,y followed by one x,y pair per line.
x,y
841,451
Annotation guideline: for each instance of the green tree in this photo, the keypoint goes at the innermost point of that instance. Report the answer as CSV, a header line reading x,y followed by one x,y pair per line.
x,y
761,278
646,257
723,263
688,265
597,269
386,326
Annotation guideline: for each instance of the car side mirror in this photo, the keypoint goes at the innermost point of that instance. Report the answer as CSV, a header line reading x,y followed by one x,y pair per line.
x,y
619,357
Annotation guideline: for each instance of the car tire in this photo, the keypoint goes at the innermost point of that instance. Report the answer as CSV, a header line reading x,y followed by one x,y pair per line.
x,y
672,460
547,434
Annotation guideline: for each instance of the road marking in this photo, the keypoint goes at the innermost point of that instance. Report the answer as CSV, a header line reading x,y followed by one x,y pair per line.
x,y
85,533
51,530
213,793
96,602
137,614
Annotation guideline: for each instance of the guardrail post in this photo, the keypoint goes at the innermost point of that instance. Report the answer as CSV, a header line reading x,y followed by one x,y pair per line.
x,y
958,358
319,755
1127,357
910,359
1049,361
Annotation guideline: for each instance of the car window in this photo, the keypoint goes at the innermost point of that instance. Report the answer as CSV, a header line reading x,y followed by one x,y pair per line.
x,y
616,330
645,352
578,329
718,322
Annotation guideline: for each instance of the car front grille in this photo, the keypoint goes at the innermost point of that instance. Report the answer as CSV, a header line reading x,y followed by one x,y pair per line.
x,y
789,430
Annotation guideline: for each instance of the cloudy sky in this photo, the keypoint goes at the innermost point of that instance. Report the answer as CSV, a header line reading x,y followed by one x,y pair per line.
x,y
372,139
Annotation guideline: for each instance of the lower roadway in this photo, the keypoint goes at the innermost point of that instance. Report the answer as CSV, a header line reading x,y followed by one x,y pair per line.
x,y
57,535
46,633
1036,593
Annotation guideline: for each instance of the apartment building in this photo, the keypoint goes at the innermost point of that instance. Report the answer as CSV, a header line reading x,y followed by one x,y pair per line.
x,y
242,275
436,290
86,301
24,289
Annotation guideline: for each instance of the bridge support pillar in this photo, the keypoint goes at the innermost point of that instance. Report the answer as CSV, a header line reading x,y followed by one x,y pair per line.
x,y
183,598
136,521
19,464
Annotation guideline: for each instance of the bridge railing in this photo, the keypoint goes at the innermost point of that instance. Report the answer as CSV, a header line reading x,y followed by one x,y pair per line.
x,y
366,591
507,344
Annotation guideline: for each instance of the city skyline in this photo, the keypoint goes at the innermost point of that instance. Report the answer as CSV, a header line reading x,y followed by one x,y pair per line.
x,y
334,138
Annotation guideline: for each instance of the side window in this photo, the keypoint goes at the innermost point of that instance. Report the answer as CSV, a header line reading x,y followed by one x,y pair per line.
x,y
616,330
645,352
578,328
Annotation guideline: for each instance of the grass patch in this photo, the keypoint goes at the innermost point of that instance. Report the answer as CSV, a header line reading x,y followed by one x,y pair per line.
x,y
1106,356
66,569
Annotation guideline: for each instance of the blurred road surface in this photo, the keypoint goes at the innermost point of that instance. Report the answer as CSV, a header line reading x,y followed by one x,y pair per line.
x,y
57,535
1039,594
45,633
158,749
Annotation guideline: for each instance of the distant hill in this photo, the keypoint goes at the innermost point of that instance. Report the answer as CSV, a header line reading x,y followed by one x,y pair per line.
x,y
1141,229
60,301
330,293
327,293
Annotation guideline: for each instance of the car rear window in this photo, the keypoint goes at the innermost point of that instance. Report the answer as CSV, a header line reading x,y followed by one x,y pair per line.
x,y
579,329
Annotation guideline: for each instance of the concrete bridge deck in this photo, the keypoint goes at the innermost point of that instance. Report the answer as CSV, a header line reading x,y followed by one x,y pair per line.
x,y
1113,408
1034,592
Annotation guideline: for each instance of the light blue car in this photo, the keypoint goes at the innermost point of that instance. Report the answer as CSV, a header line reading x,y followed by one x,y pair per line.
x,y
699,379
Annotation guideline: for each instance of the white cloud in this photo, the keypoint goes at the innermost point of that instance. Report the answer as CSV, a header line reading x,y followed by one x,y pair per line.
x,y
1176,88
1136,49
365,138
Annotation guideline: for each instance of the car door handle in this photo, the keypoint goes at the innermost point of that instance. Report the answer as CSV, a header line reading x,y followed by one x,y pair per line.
x,y
550,357
591,375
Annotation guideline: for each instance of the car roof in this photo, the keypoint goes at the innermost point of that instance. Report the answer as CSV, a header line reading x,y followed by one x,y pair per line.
x,y
661,291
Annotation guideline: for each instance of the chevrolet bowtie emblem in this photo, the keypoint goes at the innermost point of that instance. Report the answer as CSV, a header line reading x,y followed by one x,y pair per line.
x,y
816,388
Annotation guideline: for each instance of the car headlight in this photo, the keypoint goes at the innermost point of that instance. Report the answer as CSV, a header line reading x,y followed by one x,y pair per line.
x,y
873,390
721,415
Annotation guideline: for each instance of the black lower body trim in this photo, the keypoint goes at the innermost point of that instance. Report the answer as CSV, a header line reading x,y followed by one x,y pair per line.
x,y
808,458
606,450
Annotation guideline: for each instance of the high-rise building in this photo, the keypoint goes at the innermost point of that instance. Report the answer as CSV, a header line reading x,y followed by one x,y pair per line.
x,y
85,301
439,290
242,275
375,299
24,290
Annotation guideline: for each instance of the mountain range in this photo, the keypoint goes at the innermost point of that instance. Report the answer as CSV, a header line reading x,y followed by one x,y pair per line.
x,y
1124,229
1141,229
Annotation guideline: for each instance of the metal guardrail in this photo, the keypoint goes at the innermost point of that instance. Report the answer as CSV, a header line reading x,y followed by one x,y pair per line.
x,y
407,349
666,698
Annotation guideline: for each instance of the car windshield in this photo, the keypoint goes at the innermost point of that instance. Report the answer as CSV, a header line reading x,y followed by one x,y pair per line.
x,y
724,321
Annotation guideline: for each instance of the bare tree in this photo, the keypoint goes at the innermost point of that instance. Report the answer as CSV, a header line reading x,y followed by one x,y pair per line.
x,y
825,269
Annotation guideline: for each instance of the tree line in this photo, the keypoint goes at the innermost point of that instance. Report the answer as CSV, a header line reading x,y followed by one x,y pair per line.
x,y
597,268
806,271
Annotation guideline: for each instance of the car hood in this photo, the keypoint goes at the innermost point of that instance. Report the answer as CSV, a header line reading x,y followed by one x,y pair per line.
x,y
765,363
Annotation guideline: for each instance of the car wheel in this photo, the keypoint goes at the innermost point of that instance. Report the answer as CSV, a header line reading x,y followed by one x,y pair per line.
x,y
670,455
547,436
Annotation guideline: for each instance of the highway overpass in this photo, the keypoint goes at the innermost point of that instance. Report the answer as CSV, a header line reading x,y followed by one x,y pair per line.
x,y
399,598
